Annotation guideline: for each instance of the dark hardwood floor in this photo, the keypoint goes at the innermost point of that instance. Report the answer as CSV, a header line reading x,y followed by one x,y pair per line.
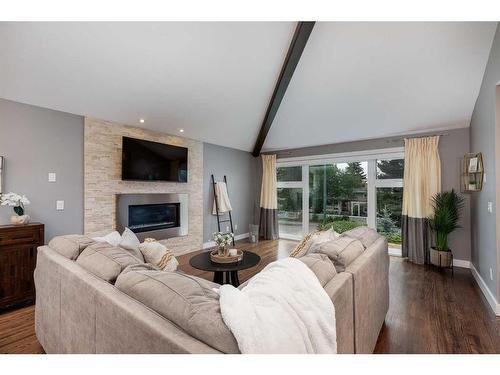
x,y
430,311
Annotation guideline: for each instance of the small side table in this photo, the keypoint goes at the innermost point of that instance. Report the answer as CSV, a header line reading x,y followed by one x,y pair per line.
x,y
224,273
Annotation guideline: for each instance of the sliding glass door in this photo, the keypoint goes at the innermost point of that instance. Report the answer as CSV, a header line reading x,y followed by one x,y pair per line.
x,y
338,195
342,192
291,202
389,192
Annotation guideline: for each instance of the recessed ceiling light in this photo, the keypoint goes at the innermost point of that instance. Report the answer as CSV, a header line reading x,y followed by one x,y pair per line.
x,y
141,121
181,130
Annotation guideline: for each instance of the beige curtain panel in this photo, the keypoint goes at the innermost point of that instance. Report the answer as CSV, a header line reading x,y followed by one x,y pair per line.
x,y
268,191
269,199
421,181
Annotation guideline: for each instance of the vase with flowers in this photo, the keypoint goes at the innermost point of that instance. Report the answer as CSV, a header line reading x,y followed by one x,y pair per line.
x,y
222,240
18,202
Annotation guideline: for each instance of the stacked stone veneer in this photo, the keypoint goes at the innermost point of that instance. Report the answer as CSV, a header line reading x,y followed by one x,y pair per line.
x,y
102,182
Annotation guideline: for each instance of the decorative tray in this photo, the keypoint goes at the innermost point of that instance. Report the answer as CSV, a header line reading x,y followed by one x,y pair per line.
x,y
216,258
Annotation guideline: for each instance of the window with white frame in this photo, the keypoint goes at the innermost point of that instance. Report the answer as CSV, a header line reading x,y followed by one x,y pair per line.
x,y
341,191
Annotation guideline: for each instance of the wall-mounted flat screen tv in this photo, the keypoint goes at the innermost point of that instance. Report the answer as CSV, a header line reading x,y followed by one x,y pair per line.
x,y
152,161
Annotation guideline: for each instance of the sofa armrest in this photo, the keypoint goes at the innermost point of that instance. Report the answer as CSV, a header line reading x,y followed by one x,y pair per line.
x,y
340,291
370,273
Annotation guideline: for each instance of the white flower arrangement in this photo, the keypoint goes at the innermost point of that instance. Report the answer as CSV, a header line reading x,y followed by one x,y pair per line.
x,y
222,239
15,200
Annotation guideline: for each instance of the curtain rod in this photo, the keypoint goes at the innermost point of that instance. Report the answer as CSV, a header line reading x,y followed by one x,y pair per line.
x,y
391,140
402,138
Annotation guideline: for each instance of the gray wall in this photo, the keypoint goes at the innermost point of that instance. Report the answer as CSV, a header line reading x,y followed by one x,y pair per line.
x,y
35,141
482,139
240,169
452,147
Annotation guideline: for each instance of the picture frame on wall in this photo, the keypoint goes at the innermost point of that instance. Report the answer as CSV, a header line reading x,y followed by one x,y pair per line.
x,y
473,165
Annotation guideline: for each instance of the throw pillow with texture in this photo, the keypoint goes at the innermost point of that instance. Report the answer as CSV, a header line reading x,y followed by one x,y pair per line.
x,y
130,242
303,246
112,238
311,242
158,255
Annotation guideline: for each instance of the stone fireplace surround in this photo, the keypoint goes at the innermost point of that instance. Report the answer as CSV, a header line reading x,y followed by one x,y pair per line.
x,y
102,180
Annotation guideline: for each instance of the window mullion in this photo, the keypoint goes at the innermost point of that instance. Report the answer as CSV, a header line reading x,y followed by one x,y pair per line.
x,y
372,197
305,199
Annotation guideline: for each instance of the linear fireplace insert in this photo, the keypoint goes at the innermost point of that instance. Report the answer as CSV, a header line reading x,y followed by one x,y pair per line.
x,y
159,216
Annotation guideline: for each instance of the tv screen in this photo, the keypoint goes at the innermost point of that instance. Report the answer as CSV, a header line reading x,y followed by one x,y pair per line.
x,y
152,161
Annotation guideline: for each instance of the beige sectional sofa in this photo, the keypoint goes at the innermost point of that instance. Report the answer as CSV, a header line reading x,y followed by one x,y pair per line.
x,y
94,298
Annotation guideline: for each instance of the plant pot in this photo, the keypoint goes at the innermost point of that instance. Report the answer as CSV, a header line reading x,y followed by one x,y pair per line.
x,y
19,219
441,258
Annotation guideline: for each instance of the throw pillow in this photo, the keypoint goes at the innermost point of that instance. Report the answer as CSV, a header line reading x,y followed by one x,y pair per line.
x,y
322,237
112,238
130,242
303,246
311,242
158,255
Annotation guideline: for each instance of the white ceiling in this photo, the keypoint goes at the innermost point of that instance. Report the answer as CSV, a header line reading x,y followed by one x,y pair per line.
x,y
215,80
368,80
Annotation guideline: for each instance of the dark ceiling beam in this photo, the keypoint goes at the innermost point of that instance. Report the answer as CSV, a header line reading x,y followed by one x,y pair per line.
x,y
292,58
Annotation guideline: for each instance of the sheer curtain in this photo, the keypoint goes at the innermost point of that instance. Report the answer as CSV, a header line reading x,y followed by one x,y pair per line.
x,y
422,179
269,199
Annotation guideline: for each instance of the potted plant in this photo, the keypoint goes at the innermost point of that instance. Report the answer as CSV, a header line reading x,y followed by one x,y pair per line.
x,y
447,206
18,202
222,240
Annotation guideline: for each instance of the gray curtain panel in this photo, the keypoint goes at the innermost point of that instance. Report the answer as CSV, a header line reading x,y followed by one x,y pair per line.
x,y
269,199
268,228
416,239
421,181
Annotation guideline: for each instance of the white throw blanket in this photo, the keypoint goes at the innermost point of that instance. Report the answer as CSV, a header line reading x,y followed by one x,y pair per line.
x,y
223,203
283,309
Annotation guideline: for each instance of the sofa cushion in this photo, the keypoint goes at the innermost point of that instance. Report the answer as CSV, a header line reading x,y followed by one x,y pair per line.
x,y
342,251
321,265
70,246
366,235
106,261
187,301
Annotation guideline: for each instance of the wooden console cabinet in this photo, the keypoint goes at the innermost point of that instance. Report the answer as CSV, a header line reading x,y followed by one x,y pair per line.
x,y
18,247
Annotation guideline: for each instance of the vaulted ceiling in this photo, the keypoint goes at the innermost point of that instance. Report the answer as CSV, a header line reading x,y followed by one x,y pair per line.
x,y
215,80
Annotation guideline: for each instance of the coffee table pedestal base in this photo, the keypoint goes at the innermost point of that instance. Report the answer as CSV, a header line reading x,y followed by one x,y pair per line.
x,y
228,277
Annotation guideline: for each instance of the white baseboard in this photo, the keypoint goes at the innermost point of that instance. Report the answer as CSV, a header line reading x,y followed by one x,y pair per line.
x,y
461,263
495,306
394,252
208,245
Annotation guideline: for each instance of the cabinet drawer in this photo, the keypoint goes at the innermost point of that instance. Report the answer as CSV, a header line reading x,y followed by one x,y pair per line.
x,y
8,237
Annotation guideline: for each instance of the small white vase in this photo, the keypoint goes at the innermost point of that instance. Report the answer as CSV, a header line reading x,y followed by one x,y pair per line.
x,y
19,220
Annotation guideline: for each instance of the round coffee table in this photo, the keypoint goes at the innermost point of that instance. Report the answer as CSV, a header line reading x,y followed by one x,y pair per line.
x,y
224,273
